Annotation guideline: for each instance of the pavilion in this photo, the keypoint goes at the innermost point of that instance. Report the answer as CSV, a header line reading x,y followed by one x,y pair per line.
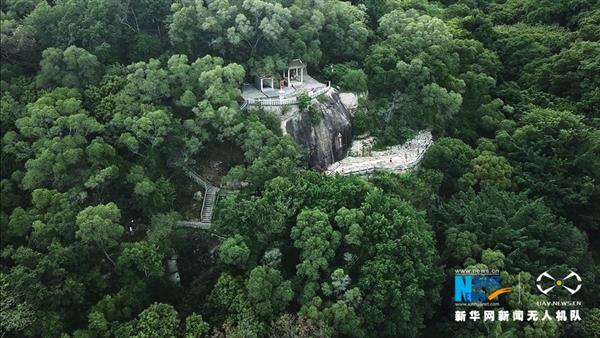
x,y
295,72
264,80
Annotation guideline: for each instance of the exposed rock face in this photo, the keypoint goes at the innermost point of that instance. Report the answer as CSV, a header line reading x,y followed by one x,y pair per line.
x,y
327,141
350,101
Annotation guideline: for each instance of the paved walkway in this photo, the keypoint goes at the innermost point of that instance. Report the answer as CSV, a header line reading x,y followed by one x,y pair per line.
x,y
397,158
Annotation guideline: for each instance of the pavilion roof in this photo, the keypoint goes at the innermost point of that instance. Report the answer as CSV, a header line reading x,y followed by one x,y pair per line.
x,y
296,63
263,73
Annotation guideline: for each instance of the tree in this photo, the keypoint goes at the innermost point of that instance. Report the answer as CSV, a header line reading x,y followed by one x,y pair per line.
x,y
158,320
588,327
452,157
17,42
527,232
345,31
234,251
14,315
415,66
53,27
151,129
98,226
487,170
268,293
142,257
228,297
400,254
98,108
420,187
297,326
238,29
317,240
348,76
195,326
265,35
351,245
271,156
568,74
521,44
72,67
557,147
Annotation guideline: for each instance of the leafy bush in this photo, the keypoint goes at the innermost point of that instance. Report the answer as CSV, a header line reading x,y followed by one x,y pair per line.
x,y
348,76
315,115
303,101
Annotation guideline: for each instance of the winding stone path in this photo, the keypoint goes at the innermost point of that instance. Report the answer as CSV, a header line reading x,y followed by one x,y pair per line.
x,y
397,158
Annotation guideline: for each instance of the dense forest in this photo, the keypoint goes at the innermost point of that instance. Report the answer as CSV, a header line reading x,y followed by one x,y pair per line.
x,y
98,97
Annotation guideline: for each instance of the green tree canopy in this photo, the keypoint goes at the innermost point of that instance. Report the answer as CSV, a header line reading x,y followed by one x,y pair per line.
x,y
72,67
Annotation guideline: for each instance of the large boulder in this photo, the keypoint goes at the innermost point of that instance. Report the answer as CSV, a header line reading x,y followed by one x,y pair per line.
x,y
328,140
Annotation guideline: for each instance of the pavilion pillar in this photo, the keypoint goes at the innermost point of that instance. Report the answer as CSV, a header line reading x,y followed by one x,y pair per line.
x,y
301,75
289,79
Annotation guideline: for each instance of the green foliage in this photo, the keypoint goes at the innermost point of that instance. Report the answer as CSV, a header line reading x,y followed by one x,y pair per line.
x,y
317,241
347,76
97,102
487,170
98,225
420,188
158,320
265,35
16,315
525,231
331,221
520,44
414,64
566,148
303,101
268,293
297,326
452,157
234,251
143,257
195,326
315,115
72,67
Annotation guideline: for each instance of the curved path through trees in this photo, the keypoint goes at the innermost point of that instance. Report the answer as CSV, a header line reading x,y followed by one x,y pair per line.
x,y
397,158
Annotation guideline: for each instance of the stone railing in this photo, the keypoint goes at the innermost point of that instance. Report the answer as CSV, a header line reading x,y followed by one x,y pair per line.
x,y
271,102
312,93
380,162
377,168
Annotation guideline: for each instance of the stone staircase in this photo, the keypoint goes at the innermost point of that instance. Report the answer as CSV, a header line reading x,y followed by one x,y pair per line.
x,y
208,204
197,178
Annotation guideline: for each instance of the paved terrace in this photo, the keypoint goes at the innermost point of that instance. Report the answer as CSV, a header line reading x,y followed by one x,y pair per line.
x,y
270,96
397,158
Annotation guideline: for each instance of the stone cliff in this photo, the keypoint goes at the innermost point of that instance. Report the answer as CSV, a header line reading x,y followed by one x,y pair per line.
x,y
326,141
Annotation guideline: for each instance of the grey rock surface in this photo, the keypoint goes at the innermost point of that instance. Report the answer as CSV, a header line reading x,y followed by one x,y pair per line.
x,y
327,141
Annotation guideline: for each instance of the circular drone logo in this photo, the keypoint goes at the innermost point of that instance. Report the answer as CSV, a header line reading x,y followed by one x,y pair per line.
x,y
560,282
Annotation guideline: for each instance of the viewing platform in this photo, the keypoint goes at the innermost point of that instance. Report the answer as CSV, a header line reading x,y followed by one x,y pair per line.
x,y
274,97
